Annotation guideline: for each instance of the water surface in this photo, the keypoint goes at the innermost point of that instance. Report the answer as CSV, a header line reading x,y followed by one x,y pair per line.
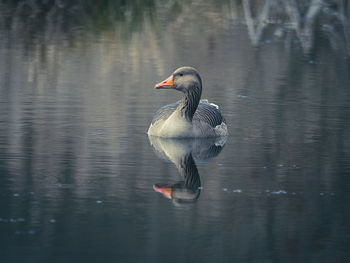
x,y
78,171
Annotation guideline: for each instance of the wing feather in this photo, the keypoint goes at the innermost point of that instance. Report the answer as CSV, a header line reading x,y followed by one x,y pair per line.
x,y
206,113
164,112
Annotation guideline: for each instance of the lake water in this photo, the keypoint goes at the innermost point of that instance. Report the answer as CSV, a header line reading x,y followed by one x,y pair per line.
x,y
80,181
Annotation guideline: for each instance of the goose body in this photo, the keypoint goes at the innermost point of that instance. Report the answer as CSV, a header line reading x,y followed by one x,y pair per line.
x,y
190,117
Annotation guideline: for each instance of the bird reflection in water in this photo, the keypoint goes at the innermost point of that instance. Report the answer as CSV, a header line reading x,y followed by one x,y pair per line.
x,y
184,153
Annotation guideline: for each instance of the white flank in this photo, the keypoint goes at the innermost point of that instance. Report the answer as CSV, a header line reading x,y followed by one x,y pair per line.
x,y
216,106
207,102
221,129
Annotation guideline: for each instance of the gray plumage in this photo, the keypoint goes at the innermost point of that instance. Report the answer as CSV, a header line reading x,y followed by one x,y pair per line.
x,y
205,112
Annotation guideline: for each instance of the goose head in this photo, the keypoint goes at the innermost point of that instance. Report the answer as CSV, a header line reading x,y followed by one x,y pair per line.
x,y
184,79
188,81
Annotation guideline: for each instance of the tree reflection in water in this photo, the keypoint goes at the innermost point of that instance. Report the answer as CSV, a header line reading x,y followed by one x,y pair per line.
x,y
294,19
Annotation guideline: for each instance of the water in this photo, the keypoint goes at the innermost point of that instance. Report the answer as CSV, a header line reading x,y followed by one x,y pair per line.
x,y
80,177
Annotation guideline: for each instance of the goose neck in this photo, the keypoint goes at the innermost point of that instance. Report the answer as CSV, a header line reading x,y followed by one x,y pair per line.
x,y
189,103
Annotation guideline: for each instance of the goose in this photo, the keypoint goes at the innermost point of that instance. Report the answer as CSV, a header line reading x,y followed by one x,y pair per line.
x,y
190,117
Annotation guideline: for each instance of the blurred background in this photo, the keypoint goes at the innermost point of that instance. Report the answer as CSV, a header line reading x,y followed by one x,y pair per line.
x,y
76,98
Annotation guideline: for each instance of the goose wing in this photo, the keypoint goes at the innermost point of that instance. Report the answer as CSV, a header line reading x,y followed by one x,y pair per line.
x,y
208,113
164,112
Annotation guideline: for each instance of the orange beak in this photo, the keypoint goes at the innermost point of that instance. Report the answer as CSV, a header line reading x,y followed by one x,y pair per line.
x,y
163,189
166,84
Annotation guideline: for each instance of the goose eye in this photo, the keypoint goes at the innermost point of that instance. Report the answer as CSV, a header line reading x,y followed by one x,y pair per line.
x,y
181,74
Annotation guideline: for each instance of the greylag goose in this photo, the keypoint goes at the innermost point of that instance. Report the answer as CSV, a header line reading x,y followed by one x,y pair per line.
x,y
190,117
